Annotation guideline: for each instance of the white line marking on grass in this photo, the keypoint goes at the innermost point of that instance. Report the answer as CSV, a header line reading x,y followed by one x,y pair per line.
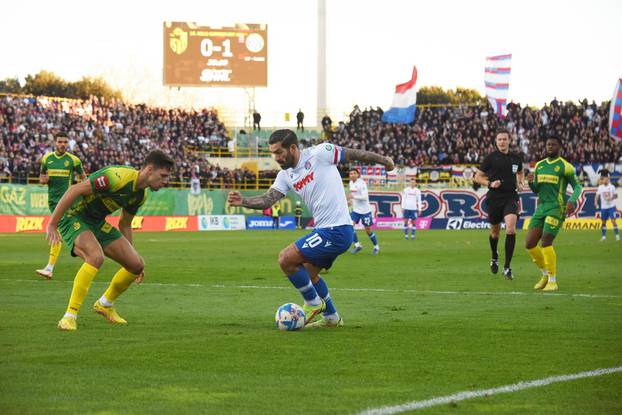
x,y
378,290
461,396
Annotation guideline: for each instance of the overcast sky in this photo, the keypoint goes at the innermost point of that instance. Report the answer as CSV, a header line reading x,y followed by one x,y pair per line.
x,y
565,49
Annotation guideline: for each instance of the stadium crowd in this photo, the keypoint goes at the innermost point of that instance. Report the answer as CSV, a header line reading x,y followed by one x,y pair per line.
x,y
464,135
103,133
112,132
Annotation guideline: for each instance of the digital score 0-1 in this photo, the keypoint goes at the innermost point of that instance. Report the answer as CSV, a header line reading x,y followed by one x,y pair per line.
x,y
204,56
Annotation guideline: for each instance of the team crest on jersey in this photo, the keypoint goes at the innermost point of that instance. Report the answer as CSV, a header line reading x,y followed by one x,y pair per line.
x,y
514,168
76,226
308,165
101,182
66,163
556,168
328,147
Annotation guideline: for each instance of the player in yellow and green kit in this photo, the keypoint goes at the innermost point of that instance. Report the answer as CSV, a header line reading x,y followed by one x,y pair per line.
x,y
84,228
550,181
58,169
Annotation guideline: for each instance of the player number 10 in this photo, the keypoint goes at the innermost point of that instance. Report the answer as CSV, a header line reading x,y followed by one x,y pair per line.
x,y
314,240
208,48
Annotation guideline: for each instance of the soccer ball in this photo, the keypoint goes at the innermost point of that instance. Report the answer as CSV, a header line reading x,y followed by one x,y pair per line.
x,y
289,317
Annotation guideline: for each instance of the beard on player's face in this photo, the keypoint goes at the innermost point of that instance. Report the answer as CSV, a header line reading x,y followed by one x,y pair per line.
x,y
287,161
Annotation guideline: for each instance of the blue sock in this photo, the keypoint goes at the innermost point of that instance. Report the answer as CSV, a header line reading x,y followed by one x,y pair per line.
x,y
372,236
604,229
355,238
406,231
302,282
412,232
322,291
615,228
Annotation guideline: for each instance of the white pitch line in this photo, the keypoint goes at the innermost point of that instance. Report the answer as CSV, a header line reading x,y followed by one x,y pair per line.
x,y
461,396
379,290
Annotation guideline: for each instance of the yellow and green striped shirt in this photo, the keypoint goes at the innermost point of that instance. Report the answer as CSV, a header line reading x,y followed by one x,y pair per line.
x,y
113,188
60,171
552,178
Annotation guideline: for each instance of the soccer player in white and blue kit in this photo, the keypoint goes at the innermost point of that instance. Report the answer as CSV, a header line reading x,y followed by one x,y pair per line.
x,y
312,173
411,207
361,210
607,194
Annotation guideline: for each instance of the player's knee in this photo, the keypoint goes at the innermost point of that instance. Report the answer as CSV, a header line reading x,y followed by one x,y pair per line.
x,y
136,266
284,262
95,259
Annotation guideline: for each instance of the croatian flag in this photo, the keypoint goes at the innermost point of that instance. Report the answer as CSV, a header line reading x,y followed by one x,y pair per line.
x,y
615,113
497,80
404,104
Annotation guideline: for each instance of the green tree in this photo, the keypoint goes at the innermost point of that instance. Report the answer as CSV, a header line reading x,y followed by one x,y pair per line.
x,y
88,86
10,86
438,95
46,83
49,84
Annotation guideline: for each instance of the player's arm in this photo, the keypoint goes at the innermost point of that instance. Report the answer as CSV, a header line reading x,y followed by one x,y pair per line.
x,y
70,196
571,176
419,202
596,200
532,180
352,154
125,225
263,201
79,169
43,172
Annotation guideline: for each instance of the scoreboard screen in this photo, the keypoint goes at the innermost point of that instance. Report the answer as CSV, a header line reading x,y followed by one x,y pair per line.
x,y
205,56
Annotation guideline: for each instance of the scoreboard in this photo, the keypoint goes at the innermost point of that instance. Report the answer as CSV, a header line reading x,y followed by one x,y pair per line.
x,y
226,56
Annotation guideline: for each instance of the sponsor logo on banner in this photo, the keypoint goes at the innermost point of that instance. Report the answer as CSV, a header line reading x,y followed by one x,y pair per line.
x,y
221,222
176,223
423,223
137,222
457,224
31,223
258,222
388,223
454,224
287,222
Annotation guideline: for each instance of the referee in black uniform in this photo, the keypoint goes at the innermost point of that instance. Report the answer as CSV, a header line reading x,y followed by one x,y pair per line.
x,y
502,172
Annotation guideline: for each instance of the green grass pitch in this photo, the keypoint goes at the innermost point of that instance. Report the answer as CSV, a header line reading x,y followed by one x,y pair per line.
x,y
423,319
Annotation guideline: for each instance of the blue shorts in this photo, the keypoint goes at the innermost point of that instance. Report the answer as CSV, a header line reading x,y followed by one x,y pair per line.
x,y
410,214
365,218
609,213
322,246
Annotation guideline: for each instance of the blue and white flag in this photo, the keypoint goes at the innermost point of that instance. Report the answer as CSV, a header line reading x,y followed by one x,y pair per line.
x,y
404,104
497,80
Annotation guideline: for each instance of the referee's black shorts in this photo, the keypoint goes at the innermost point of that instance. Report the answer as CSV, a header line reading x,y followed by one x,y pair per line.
x,y
499,207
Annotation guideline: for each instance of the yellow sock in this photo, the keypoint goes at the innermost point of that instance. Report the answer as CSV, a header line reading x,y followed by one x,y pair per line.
x,y
54,253
120,282
550,258
81,285
537,256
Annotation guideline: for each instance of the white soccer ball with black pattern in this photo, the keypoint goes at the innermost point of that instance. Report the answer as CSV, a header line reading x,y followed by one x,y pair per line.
x,y
290,317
